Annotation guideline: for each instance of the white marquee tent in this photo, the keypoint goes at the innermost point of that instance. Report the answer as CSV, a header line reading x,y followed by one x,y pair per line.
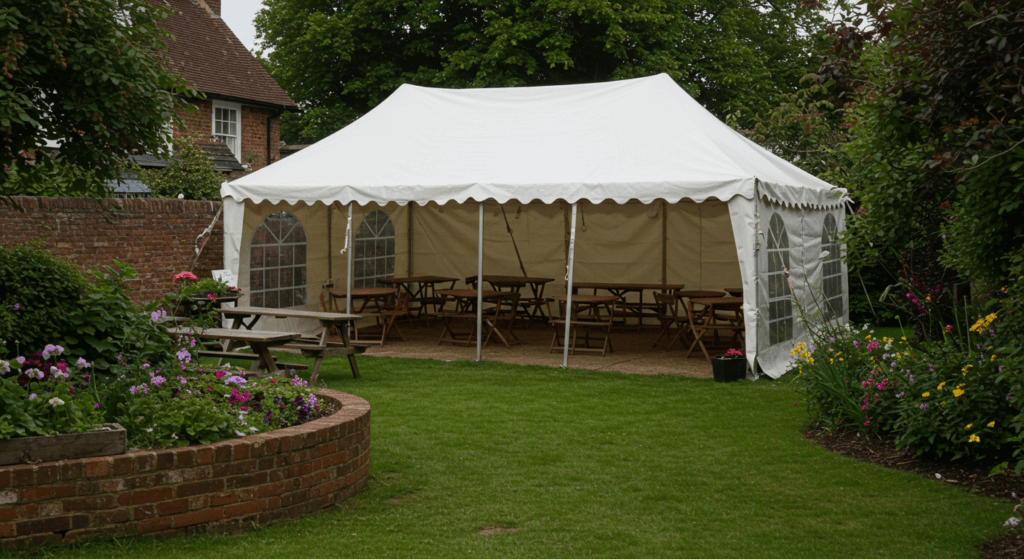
x,y
621,154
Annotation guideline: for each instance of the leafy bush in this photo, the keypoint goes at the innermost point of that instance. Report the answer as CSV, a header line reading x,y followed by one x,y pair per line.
x,y
190,174
37,295
957,397
106,327
41,395
191,404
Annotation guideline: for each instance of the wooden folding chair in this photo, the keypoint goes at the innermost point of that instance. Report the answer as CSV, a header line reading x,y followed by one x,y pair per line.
x,y
389,315
668,314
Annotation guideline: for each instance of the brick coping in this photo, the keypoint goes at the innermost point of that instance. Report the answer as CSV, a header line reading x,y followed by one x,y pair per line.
x,y
227,486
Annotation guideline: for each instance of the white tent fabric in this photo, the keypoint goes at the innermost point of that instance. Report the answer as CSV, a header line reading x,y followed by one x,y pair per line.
x,y
642,139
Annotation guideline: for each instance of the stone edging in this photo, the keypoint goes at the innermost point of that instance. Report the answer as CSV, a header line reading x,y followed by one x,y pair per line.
x,y
225,486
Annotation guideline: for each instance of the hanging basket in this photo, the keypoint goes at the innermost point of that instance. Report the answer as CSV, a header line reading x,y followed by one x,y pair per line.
x,y
729,369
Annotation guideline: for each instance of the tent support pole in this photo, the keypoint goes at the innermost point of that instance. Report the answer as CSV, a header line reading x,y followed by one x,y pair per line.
x,y
480,287
568,289
330,250
408,262
664,243
348,255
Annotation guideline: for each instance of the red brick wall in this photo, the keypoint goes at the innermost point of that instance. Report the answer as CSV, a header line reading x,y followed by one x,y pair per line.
x,y
155,236
225,486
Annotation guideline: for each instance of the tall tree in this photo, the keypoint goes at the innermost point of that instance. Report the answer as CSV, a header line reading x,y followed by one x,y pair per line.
x,y
86,74
341,58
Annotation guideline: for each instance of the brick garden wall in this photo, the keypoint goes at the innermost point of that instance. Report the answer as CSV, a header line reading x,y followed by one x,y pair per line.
x,y
155,236
225,486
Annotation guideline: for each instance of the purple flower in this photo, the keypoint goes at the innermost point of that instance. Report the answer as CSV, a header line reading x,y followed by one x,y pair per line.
x,y
132,390
33,397
158,380
17,306
235,379
184,356
95,406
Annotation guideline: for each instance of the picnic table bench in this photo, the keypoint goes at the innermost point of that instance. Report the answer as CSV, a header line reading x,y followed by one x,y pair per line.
x,y
260,341
317,345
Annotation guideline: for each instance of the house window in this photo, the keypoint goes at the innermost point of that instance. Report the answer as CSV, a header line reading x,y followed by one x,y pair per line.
x,y
780,300
832,276
226,125
374,250
277,263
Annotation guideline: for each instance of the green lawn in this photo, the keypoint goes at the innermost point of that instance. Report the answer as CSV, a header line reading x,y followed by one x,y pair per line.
x,y
591,464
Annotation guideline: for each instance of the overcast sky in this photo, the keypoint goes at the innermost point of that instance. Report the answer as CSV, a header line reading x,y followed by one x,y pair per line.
x,y
238,14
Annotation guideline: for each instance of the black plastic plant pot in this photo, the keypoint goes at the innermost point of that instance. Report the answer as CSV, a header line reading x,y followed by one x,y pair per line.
x,y
729,369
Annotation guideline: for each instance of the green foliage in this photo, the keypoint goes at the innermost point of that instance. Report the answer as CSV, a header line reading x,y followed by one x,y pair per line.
x,y
107,327
190,404
951,398
86,74
38,294
190,173
339,60
35,400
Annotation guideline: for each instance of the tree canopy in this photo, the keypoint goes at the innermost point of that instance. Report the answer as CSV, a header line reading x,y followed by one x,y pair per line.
x,y
338,59
86,74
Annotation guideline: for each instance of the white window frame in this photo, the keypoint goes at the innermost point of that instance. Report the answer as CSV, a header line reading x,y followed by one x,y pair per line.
x,y
237,107
780,296
832,268
370,263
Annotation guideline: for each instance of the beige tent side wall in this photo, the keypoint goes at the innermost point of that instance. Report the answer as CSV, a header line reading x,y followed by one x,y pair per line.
x,y
701,246
444,240
615,243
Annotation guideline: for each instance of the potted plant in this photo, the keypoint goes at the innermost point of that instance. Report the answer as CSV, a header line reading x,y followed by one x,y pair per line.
x,y
197,296
729,367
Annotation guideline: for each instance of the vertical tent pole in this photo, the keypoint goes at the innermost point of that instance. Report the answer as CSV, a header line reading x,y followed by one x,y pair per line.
x,y
568,289
330,249
348,247
480,287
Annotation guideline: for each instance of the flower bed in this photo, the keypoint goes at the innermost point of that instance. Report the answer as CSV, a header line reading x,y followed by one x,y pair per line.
x,y
224,486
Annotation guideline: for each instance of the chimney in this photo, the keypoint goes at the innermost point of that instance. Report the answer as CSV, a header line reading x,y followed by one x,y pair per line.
x,y
212,7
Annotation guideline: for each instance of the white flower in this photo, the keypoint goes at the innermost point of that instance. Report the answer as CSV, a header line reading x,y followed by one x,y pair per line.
x,y
149,430
55,401
1012,522
181,196
174,436
239,433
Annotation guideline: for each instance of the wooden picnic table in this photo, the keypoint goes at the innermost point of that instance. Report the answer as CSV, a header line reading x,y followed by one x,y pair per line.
x,y
494,319
259,340
734,291
637,309
422,291
532,304
317,346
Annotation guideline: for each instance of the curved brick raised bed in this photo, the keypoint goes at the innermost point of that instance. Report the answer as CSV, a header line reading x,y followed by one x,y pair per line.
x,y
225,486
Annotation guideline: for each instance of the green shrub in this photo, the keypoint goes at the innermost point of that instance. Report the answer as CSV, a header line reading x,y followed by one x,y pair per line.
x,y
107,327
38,293
958,397
43,395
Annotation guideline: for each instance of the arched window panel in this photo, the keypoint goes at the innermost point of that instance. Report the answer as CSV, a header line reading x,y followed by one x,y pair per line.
x,y
277,262
373,256
832,269
780,299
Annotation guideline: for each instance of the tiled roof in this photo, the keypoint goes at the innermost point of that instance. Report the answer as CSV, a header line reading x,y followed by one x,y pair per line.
x,y
209,56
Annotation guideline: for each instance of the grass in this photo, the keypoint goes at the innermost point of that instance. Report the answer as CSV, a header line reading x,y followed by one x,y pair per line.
x,y
593,464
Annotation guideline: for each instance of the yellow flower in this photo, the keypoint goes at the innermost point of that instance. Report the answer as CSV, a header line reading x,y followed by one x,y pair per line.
x,y
904,338
926,394
839,353
993,359
974,439
941,384
968,426
831,361
992,424
840,358
957,393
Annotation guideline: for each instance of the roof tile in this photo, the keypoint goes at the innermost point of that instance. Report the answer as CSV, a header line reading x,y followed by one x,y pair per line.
x,y
209,56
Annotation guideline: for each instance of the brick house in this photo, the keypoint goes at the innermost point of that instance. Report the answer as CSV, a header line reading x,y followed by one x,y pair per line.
x,y
243,104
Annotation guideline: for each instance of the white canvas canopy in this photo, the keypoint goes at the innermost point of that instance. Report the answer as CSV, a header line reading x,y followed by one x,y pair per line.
x,y
631,142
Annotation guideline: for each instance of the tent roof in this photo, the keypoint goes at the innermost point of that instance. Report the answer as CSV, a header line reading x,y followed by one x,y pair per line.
x,y
641,139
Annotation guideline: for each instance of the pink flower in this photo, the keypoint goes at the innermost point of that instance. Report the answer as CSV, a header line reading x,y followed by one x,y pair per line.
x,y
188,276
220,374
211,296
